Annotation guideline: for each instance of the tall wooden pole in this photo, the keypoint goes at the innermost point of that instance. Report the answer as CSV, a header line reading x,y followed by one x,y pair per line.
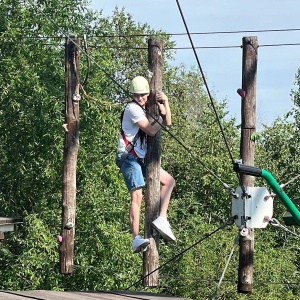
x,y
248,94
152,195
71,146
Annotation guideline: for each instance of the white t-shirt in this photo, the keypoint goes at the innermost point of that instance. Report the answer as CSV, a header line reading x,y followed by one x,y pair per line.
x,y
133,113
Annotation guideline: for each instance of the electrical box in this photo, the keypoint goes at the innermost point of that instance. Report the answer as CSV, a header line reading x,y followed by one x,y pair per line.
x,y
253,211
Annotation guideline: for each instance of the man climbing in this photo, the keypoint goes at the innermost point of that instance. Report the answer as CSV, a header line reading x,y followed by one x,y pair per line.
x,y
132,149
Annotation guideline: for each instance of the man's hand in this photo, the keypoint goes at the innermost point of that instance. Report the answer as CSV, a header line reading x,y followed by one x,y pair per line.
x,y
161,100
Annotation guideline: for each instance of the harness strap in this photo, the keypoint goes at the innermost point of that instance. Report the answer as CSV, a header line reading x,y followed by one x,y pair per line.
x,y
129,147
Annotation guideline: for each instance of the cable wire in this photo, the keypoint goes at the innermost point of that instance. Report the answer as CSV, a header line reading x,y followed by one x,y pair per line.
x,y
276,223
198,47
168,48
168,34
236,242
206,236
208,91
285,184
202,33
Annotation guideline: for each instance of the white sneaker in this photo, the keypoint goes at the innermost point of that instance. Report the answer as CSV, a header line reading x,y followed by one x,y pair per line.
x,y
162,225
139,244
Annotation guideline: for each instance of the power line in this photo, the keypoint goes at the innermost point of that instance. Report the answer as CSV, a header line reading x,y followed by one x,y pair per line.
x,y
61,37
191,33
166,48
182,48
163,34
279,45
197,47
200,33
208,280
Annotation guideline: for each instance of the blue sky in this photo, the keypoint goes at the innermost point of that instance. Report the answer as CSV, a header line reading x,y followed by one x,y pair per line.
x,y
277,65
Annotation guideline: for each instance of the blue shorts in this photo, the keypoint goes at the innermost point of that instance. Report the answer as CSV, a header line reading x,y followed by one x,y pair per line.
x,y
133,172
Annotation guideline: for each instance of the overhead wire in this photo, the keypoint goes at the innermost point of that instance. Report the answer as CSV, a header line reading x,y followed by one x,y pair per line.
x,y
203,33
167,48
208,91
173,34
206,236
145,48
197,47
290,181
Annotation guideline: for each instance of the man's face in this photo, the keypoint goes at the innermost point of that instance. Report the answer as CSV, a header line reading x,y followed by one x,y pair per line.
x,y
141,98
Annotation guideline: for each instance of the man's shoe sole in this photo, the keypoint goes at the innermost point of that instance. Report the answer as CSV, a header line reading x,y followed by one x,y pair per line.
x,y
142,247
165,236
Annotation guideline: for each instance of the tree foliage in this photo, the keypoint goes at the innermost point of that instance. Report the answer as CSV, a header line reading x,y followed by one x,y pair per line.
x,y
31,114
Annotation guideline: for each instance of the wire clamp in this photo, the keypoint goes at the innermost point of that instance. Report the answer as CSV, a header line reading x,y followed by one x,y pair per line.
x,y
244,231
76,97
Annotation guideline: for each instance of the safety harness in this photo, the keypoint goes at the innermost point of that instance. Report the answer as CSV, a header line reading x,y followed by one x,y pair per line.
x,y
129,146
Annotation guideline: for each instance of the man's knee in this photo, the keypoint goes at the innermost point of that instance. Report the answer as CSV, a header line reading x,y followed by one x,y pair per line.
x,y
169,181
172,182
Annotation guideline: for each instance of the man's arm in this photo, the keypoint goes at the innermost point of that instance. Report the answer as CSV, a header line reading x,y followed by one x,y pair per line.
x,y
150,128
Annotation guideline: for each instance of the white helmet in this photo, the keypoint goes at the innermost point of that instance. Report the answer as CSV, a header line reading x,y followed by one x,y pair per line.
x,y
139,85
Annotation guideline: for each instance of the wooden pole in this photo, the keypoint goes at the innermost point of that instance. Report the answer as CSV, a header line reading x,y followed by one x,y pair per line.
x,y
248,93
71,146
152,194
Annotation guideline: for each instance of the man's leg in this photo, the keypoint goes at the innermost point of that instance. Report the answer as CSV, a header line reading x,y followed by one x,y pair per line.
x,y
135,210
161,223
167,186
134,180
139,243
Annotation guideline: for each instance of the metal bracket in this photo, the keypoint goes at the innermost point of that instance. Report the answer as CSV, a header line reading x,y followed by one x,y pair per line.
x,y
253,211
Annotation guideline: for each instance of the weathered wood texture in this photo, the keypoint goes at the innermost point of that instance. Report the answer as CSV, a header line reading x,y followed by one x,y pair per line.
x,y
152,195
248,107
249,72
71,146
103,295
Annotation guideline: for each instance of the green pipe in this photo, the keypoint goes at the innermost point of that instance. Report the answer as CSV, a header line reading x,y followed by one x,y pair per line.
x,y
287,202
